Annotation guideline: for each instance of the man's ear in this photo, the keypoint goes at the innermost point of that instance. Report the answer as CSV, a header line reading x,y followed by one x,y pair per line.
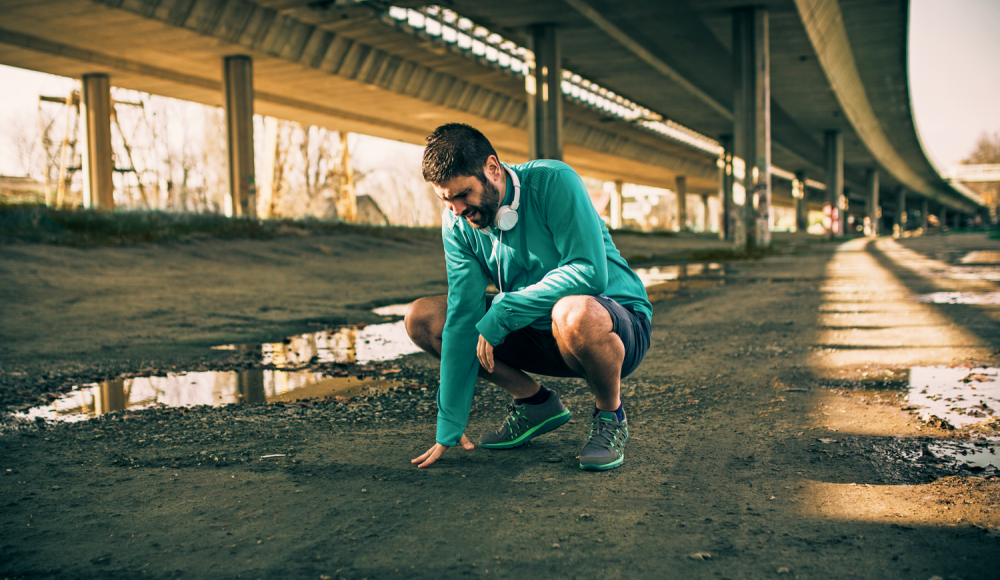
x,y
493,168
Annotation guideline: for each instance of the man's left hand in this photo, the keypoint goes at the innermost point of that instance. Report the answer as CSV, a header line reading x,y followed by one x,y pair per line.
x,y
485,353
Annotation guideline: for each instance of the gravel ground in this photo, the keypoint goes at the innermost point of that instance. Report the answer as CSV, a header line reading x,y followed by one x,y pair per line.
x,y
753,452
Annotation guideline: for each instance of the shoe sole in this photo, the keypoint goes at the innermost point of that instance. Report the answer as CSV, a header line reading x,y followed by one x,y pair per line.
x,y
606,466
550,424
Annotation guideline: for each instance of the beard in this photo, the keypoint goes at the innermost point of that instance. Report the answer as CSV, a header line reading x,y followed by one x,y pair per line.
x,y
486,212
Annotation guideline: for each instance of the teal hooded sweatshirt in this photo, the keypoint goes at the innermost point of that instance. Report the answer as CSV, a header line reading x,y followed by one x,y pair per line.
x,y
559,247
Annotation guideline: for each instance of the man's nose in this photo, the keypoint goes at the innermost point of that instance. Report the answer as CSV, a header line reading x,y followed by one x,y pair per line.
x,y
457,208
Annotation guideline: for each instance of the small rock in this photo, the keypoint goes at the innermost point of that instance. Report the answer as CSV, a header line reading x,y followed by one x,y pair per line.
x,y
555,546
783,570
700,556
363,490
822,440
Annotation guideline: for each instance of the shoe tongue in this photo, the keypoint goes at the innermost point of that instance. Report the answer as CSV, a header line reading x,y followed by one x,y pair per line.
x,y
609,416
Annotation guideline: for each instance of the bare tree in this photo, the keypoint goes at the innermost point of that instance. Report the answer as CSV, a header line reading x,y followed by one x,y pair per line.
x,y
987,151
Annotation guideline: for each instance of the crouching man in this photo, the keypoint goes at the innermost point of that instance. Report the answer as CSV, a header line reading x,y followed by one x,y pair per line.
x,y
568,306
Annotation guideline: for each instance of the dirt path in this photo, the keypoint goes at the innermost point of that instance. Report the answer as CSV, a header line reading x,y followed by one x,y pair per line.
x,y
751,455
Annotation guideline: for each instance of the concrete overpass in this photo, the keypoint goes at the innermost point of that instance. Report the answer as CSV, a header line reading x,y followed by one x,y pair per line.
x,y
815,87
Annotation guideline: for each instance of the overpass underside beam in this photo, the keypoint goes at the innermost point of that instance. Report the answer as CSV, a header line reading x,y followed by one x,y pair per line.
x,y
237,75
98,186
544,88
752,118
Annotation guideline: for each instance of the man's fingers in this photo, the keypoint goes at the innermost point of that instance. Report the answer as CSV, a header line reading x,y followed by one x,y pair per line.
x,y
422,457
435,453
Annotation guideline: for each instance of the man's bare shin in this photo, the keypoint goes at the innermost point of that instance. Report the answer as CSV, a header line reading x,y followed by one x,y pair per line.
x,y
425,325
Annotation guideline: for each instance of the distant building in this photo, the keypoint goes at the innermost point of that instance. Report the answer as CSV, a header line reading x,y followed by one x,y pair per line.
x,y
21,191
370,213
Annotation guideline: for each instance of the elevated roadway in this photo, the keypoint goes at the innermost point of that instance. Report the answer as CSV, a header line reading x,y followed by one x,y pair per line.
x,y
835,72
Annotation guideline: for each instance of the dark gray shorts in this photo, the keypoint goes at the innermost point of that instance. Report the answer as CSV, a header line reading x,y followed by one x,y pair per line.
x,y
535,350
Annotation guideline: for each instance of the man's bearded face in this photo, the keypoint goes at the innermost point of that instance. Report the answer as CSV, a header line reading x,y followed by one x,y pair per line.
x,y
472,198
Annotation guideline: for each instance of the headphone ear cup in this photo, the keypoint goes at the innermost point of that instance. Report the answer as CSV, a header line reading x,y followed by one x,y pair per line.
x,y
506,218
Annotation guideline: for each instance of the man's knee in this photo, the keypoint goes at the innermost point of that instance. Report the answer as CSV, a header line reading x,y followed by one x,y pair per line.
x,y
424,316
575,317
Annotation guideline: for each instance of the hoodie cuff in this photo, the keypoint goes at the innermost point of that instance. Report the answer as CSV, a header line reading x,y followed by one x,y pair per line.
x,y
491,326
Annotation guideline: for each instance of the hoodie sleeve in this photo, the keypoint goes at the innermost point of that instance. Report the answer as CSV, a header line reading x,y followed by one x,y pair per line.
x,y
577,232
459,365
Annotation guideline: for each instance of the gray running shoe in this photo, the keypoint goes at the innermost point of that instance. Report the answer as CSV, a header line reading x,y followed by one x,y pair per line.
x,y
525,422
605,448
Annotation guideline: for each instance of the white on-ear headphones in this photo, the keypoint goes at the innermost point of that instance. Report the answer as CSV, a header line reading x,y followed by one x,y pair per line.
x,y
506,220
507,214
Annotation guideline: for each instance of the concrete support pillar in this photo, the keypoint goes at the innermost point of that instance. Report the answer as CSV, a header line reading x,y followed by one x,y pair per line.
x,y
347,199
752,116
616,206
943,218
874,211
801,206
706,218
544,88
681,191
899,226
834,141
267,201
98,187
923,215
237,80
726,221
845,214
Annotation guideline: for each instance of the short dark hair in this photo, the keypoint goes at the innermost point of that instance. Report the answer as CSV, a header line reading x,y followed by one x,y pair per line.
x,y
456,150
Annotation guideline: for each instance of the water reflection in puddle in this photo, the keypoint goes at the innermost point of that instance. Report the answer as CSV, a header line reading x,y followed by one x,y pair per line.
x,y
960,396
213,388
981,453
359,344
665,281
376,342
990,298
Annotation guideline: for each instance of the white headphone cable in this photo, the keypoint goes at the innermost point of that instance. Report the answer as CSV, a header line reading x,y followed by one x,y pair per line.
x,y
499,253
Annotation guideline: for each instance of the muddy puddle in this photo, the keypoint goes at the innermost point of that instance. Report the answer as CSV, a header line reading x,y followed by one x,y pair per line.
x,y
948,398
961,396
286,382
